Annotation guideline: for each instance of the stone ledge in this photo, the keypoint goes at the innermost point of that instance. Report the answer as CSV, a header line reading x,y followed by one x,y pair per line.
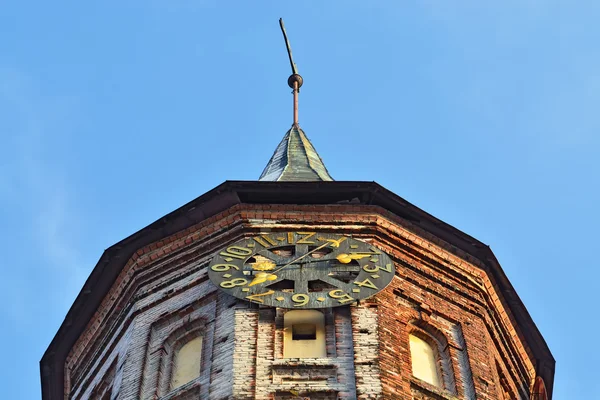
x,y
306,362
430,391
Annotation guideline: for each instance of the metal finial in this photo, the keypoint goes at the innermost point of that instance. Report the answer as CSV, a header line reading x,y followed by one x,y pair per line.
x,y
289,49
295,81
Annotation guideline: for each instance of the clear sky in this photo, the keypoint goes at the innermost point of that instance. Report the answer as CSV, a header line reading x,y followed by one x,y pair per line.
x,y
484,114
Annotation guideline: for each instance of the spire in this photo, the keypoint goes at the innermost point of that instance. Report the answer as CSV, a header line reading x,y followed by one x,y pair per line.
x,y
295,159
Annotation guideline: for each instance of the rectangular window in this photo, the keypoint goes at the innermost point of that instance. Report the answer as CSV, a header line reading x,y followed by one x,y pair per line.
x,y
304,332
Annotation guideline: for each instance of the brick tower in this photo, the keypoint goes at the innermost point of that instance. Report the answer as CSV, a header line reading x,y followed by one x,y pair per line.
x,y
296,286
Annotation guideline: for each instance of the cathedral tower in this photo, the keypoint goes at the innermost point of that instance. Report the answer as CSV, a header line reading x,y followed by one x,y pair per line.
x,y
297,286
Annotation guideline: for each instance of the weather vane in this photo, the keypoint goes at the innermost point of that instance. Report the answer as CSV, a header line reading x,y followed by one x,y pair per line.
x,y
295,80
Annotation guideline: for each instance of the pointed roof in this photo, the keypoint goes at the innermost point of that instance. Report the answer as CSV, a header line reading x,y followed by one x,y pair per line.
x,y
295,159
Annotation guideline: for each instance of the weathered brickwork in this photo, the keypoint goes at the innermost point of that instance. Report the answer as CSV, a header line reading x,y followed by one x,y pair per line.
x,y
163,295
366,352
310,377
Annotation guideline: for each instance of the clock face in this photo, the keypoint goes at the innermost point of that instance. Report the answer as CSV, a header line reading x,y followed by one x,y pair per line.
x,y
301,270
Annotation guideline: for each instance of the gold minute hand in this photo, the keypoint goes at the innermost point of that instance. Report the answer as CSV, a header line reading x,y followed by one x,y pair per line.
x,y
262,277
302,256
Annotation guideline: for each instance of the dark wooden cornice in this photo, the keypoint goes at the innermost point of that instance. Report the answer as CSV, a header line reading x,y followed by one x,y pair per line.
x,y
231,193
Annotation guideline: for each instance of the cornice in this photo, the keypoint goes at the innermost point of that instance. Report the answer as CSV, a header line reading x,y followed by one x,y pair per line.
x,y
218,207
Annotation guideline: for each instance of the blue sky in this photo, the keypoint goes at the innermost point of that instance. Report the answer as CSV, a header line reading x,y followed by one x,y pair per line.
x,y
485,114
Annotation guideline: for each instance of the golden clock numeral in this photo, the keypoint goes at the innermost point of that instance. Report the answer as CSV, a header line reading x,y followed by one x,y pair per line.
x,y
300,299
340,296
366,283
387,268
290,236
371,270
261,242
257,297
269,239
233,283
375,268
333,242
304,240
224,267
236,252
265,240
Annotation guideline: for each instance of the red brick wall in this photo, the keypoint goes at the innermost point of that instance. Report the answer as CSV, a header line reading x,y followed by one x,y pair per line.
x,y
438,290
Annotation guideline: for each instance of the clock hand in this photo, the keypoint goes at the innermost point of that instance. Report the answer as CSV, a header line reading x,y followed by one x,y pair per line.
x,y
334,243
347,258
307,262
320,260
269,265
302,256
264,264
262,277
343,258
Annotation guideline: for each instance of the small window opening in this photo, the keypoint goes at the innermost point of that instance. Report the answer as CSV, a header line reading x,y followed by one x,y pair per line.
x,y
284,285
287,251
318,285
304,332
345,272
319,253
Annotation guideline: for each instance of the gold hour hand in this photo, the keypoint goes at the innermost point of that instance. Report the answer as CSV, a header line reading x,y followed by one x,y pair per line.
x,y
262,277
262,264
347,258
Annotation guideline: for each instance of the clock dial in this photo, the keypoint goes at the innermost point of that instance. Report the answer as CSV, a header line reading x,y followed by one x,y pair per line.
x,y
301,270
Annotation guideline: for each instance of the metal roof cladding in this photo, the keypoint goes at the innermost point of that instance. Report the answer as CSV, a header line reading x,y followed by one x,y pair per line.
x,y
295,159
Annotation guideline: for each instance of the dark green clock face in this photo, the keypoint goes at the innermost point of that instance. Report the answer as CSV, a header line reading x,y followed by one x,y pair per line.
x,y
301,270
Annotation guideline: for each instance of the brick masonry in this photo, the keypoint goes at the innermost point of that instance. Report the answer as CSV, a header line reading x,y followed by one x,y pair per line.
x,y
438,292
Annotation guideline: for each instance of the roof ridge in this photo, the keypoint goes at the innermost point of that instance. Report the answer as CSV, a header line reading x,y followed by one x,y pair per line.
x,y
308,144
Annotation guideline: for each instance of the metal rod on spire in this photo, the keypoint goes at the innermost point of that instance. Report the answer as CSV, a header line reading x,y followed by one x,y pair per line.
x,y
287,45
296,91
295,80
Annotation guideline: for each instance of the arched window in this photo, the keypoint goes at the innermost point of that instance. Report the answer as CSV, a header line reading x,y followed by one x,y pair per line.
x,y
304,334
424,360
186,362
506,393
539,390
